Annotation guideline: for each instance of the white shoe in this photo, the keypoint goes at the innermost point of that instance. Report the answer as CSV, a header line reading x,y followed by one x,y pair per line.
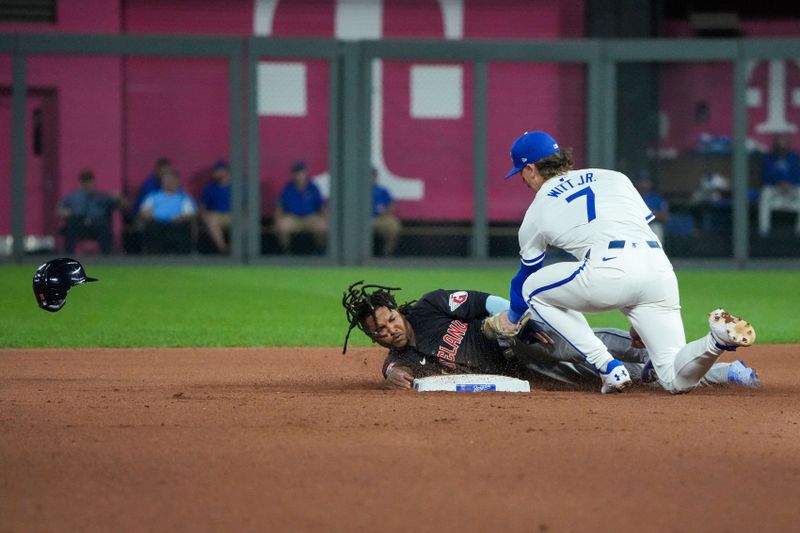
x,y
729,331
616,378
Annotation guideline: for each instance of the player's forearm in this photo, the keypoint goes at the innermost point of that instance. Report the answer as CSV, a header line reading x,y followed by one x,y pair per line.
x,y
496,304
518,304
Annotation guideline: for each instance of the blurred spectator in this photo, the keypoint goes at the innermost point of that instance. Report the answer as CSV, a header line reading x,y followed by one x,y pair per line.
x,y
152,183
215,205
780,178
300,208
711,203
86,214
657,204
714,189
385,222
168,215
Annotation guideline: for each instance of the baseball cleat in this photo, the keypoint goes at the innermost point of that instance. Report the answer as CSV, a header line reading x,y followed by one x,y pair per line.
x,y
616,378
729,331
740,374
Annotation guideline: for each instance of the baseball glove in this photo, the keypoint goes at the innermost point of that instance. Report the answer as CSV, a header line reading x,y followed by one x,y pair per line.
x,y
498,325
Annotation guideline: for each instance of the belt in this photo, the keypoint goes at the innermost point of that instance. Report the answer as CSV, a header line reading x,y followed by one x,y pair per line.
x,y
633,244
621,244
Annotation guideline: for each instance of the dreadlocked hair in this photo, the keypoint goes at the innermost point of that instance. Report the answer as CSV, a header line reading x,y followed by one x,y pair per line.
x,y
360,301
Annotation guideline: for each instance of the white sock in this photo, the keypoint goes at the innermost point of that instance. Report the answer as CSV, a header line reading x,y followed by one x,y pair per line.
x,y
694,360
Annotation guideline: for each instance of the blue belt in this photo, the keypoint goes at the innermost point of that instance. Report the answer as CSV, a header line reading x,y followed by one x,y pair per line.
x,y
621,244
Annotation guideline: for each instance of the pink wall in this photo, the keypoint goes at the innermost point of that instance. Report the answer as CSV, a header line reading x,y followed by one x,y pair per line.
x,y
76,16
175,108
285,139
119,115
179,109
88,109
188,17
684,85
89,122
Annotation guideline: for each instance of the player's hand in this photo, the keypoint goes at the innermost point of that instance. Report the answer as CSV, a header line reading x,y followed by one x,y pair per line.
x,y
636,340
399,378
499,324
543,337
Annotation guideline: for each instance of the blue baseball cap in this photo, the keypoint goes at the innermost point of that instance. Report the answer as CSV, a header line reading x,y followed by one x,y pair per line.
x,y
299,166
531,147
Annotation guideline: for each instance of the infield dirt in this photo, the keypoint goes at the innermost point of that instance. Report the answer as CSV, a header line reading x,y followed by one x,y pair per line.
x,y
307,440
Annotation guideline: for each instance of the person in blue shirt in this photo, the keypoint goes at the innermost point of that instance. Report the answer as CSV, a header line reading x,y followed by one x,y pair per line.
x,y
86,214
169,215
152,183
215,205
301,208
385,222
780,176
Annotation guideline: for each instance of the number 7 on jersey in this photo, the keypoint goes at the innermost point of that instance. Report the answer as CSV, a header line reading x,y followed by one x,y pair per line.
x,y
589,194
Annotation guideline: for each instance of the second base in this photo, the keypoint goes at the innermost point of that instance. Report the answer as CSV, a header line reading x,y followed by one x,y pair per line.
x,y
471,383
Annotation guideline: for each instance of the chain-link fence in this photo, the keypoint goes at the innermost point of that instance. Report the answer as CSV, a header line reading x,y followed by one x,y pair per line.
x,y
262,149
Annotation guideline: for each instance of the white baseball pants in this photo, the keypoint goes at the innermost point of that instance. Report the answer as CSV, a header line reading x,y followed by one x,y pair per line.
x,y
635,277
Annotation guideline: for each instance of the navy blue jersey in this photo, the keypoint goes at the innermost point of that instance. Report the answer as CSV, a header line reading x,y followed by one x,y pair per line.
x,y
447,326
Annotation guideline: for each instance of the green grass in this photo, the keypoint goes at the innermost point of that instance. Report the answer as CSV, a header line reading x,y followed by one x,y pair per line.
x,y
268,306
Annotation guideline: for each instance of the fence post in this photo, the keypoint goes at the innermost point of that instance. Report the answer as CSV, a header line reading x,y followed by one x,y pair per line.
x,y
19,89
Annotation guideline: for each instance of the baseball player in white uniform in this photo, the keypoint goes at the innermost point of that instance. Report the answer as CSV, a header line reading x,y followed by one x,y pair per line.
x,y
598,216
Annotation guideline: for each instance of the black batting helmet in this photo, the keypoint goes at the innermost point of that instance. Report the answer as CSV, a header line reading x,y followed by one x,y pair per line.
x,y
52,280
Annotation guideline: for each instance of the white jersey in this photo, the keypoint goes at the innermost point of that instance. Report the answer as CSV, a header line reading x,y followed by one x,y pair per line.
x,y
599,211
580,209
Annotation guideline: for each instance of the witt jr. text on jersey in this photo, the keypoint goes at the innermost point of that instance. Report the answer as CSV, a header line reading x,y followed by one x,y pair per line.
x,y
567,184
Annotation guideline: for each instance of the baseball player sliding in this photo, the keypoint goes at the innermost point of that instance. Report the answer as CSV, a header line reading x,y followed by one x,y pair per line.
x,y
598,216
446,332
